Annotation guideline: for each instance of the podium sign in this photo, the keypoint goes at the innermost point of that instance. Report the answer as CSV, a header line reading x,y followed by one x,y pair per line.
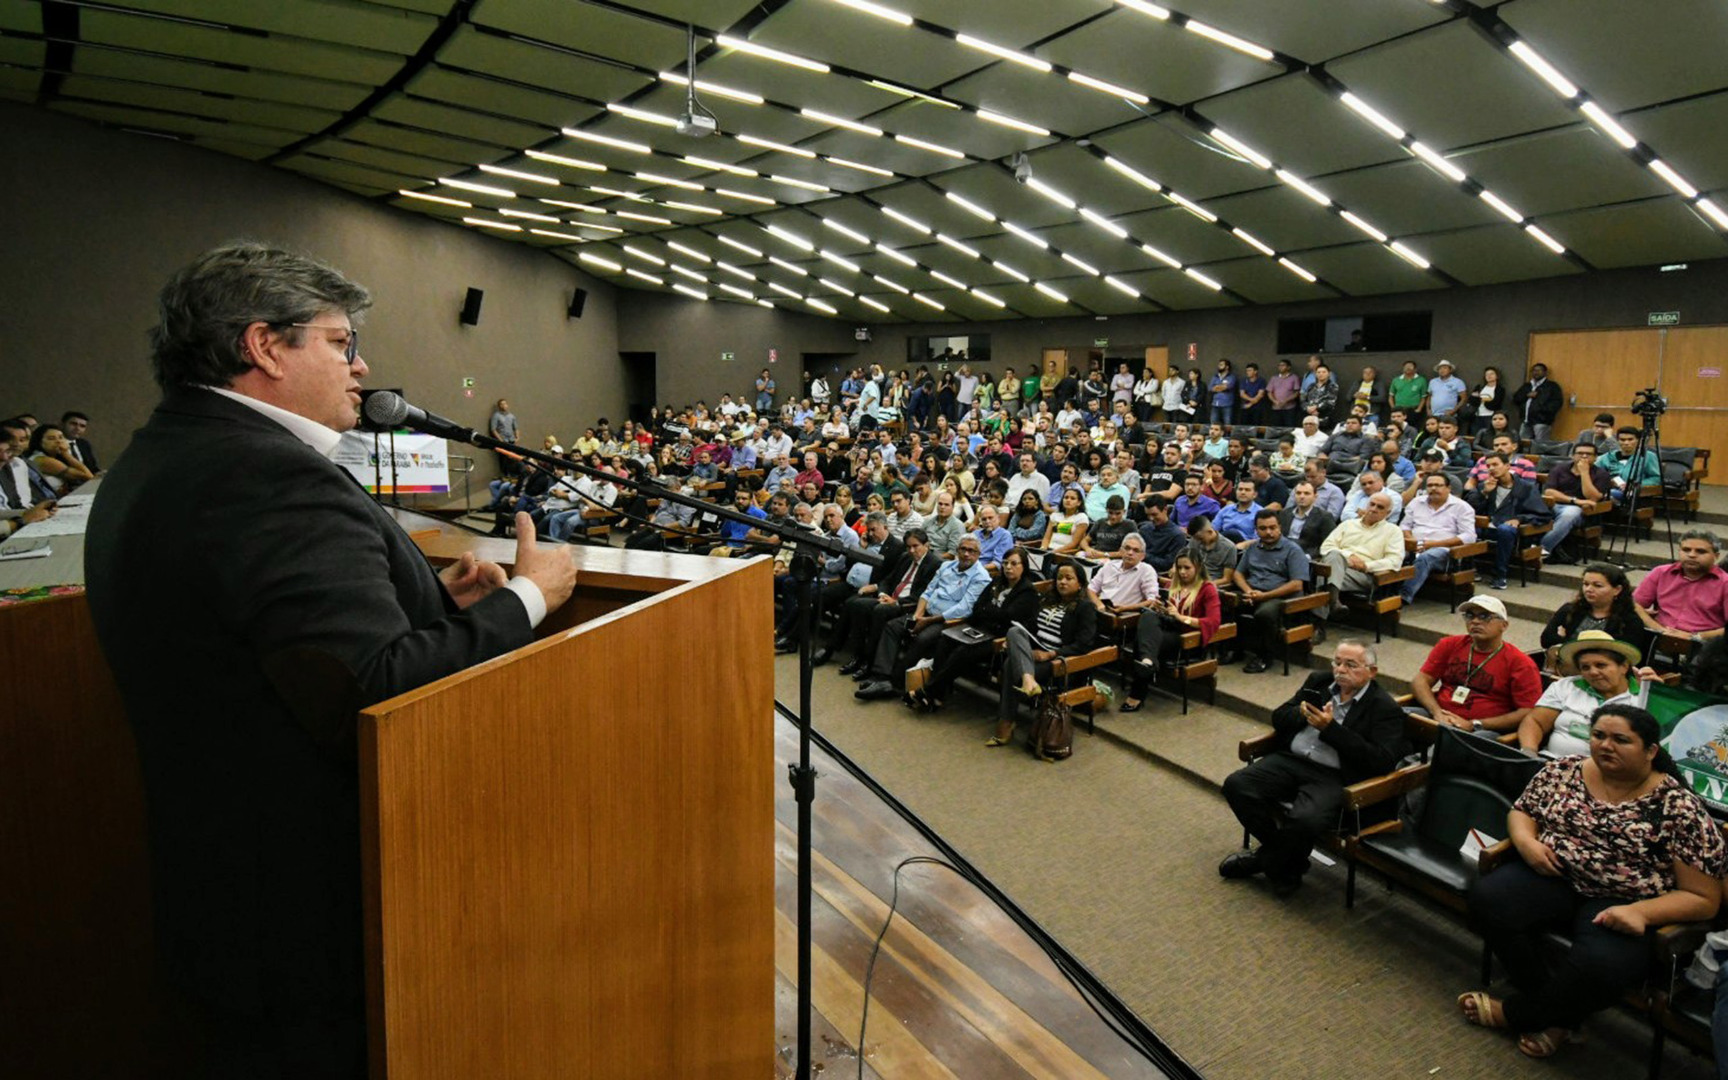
x,y
421,466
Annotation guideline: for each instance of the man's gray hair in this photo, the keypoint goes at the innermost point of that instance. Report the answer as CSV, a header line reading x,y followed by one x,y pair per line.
x,y
1705,535
876,517
206,306
1369,656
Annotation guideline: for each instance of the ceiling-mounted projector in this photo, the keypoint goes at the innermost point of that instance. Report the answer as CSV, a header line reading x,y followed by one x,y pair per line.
x,y
696,125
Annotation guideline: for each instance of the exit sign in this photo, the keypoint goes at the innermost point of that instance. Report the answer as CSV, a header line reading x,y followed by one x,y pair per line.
x,y
1100,343
1664,318
725,356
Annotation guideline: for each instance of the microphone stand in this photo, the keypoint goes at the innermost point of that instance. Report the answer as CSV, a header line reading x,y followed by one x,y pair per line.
x,y
801,775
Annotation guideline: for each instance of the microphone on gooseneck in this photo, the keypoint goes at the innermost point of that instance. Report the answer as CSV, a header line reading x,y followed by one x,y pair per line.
x,y
386,411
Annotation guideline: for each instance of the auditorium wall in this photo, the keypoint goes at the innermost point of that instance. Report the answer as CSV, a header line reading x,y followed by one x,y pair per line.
x,y
98,219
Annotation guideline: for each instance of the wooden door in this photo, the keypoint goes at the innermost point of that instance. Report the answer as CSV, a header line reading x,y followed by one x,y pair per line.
x,y
1158,360
1695,382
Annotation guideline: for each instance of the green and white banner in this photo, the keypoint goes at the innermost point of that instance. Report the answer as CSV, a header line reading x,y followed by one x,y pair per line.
x,y
1695,734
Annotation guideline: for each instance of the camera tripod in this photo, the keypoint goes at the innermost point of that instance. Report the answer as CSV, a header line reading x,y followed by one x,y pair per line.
x,y
1649,441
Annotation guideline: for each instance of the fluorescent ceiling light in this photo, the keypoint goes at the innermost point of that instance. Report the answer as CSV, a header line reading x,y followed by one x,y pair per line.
x,y
820,306
1164,257
1675,180
791,238
691,274
766,53
1547,241
987,298
688,291
904,220
1191,206
1007,54
642,114
836,286
692,207
635,273
596,228
1134,174
643,255
1234,42
1009,121
435,198
1501,205
730,194
805,184
1543,68
1304,187
839,260
556,235
1297,270
1024,235
854,234
1432,157
897,256
922,299
779,288
466,185
970,206
656,178
709,163
714,88
567,162
946,280
1123,286
1409,256
784,265
642,217
895,285
839,121
1010,271
590,257
1599,116
873,303
1104,223
583,207
514,174
1051,293
1364,226
765,303
1050,193
735,272
605,140
1202,278
548,219
631,195
958,246
690,251
1372,115
879,10
741,246
1146,9
1715,212
1109,88
893,88
1240,147
736,291
859,165
1081,263
930,146
1252,241
769,144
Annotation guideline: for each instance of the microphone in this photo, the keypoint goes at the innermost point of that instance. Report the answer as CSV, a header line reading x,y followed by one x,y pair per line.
x,y
385,411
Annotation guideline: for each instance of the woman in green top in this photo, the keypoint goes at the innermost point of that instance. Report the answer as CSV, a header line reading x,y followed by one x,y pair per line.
x,y
1409,390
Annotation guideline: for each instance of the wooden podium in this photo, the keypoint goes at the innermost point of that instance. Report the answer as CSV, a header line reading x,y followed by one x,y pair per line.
x,y
568,850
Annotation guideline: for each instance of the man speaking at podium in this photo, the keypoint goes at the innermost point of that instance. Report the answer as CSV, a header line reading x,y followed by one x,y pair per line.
x,y
250,597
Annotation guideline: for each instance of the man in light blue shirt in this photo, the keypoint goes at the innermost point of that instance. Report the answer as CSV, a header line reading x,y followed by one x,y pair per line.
x,y
993,541
1370,484
912,638
1445,390
1236,521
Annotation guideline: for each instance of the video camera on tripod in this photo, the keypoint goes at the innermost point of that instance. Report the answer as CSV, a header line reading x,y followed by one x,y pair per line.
x,y
1649,403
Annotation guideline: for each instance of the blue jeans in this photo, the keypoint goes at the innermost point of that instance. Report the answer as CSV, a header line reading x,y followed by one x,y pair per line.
x,y
1426,562
499,489
1505,545
1222,414
1719,1024
1566,518
559,526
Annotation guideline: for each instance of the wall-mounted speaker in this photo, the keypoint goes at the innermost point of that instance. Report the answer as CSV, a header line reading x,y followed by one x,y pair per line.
x,y
471,307
578,301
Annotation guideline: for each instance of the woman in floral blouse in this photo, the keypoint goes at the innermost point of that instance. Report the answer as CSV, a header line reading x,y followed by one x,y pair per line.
x,y
1611,845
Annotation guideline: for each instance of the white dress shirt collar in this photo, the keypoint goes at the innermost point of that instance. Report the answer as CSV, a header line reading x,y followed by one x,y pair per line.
x,y
310,432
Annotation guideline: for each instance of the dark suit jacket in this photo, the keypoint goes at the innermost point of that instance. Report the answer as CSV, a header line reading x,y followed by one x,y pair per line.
x,y
1314,532
926,570
87,454
245,622
1369,741
893,550
1549,400
1525,503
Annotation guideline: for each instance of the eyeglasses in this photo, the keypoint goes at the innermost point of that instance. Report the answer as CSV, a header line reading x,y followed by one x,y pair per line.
x,y
1478,616
351,349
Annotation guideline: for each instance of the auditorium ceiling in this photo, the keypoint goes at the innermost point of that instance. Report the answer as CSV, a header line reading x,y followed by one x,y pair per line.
x,y
957,159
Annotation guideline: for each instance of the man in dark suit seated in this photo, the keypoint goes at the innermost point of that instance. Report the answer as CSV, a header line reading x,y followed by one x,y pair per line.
x,y
1510,502
1340,728
246,625
1304,522
77,426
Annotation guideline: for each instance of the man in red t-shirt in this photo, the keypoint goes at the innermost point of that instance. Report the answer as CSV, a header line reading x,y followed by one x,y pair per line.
x,y
1475,680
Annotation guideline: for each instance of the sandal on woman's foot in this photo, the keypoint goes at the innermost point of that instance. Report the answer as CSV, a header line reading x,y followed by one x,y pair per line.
x,y
1545,1043
995,740
1129,705
1034,693
1481,1010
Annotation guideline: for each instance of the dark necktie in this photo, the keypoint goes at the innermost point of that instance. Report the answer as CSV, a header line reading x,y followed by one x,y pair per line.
x,y
9,487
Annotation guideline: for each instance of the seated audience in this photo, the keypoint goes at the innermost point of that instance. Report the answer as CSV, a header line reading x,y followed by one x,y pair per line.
x,y
1571,486
1191,603
1475,681
1010,599
1688,597
1366,545
51,453
1164,539
1434,525
77,427
1236,521
1607,675
1067,526
911,639
1267,572
1103,540
1604,602
1509,503
1304,522
1065,624
1192,503
1216,555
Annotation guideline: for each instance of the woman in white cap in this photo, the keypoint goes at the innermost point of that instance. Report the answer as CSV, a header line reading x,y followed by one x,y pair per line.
x,y
1607,675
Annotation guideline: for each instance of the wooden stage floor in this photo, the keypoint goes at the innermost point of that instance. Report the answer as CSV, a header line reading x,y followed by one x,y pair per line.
x,y
959,989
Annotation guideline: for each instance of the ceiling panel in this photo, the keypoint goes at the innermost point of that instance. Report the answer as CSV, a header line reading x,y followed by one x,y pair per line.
x,y
995,189
424,143
713,13
1628,55
588,28
520,62
1284,219
386,160
1174,289
493,96
1048,101
1095,295
1494,253
1368,269
1173,152
414,112
24,17
1182,235
1689,135
257,85
1560,170
1294,29
1300,126
1657,231
173,123
359,25
1265,282
1405,198
1452,87
852,39
1093,184
882,153
1157,59
338,62
1097,248
955,128
347,173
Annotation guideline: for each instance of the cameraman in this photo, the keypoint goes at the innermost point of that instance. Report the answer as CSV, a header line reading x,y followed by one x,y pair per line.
x,y
1630,474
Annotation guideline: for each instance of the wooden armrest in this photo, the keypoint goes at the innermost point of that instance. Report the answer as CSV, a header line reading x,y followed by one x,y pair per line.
x,y
1384,828
1492,857
1404,701
1257,747
1320,569
1069,665
1532,529
1393,577
1676,943
1470,550
1595,508
1120,620
1305,602
1380,788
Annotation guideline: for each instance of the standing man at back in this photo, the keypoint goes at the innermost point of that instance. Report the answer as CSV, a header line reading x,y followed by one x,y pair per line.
x,y
1538,402
220,615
